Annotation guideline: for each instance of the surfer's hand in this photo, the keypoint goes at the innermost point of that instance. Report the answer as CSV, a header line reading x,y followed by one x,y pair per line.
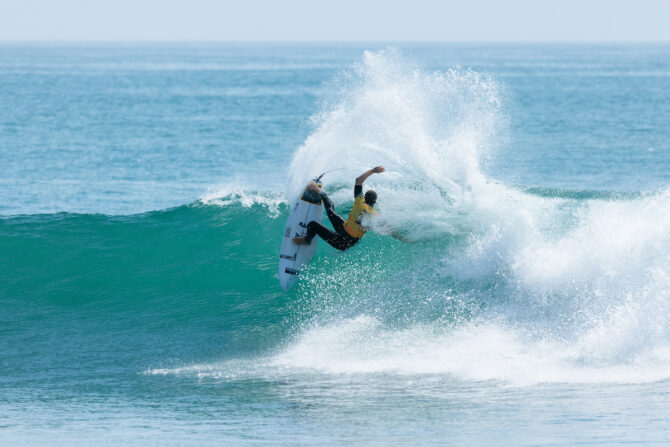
x,y
361,178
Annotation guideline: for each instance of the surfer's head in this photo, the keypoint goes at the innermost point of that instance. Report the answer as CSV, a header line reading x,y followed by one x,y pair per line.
x,y
370,197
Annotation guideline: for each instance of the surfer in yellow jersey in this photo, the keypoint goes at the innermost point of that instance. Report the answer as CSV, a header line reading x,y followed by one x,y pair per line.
x,y
347,233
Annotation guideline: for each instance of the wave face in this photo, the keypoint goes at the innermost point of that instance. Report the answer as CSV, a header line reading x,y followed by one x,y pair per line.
x,y
552,290
181,272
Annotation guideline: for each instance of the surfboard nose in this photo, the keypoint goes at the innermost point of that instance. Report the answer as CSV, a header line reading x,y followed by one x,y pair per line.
x,y
292,256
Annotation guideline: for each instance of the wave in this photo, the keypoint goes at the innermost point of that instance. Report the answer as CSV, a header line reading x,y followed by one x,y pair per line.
x,y
570,285
582,301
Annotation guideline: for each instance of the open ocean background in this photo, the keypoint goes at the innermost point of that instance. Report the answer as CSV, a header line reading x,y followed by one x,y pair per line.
x,y
143,194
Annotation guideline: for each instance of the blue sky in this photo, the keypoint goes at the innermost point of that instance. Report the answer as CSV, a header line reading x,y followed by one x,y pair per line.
x,y
338,20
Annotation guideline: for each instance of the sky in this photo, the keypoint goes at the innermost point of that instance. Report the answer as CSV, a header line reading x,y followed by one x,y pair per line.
x,y
336,20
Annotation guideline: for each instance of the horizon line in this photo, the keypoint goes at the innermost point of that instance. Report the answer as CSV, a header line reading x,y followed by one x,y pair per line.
x,y
328,41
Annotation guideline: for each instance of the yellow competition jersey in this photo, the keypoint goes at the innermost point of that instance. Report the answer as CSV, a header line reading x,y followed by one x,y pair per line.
x,y
353,224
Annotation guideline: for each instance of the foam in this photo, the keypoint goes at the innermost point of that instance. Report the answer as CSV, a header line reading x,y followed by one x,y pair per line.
x,y
230,194
568,290
478,352
582,286
483,351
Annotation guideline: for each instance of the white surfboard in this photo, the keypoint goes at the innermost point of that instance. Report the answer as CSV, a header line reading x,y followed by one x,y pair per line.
x,y
293,257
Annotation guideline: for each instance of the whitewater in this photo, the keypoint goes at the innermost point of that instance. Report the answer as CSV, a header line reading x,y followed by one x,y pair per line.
x,y
514,290
565,290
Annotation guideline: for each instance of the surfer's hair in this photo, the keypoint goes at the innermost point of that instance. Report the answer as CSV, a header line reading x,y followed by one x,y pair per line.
x,y
370,197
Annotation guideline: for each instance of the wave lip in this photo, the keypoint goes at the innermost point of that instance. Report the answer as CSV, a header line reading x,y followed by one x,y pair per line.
x,y
231,194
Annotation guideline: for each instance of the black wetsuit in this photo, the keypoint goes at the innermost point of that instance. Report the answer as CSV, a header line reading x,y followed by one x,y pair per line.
x,y
339,238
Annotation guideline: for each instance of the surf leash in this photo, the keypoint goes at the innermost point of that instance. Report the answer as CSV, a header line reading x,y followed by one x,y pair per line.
x,y
318,179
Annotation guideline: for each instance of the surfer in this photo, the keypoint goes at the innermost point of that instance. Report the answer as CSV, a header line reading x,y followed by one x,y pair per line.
x,y
347,232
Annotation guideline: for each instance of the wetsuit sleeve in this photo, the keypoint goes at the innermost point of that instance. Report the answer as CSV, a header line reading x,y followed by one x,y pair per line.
x,y
358,190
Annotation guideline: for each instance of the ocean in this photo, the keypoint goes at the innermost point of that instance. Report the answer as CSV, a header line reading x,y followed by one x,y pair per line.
x,y
515,289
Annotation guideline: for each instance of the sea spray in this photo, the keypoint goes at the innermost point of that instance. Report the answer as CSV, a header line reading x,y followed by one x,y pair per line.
x,y
577,285
428,129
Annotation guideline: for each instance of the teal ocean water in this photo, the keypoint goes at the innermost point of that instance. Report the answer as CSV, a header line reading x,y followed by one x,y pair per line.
x,y
524,300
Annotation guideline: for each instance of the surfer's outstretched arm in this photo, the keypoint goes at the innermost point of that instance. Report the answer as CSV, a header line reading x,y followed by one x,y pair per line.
x,y
376,170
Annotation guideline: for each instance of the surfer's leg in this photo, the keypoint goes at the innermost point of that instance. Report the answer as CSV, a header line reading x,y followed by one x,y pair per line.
x,y
340,241
343,241
314,228
335,219
335,240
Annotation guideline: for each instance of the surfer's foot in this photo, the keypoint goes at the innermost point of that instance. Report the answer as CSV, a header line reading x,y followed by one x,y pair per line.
x,y
300,241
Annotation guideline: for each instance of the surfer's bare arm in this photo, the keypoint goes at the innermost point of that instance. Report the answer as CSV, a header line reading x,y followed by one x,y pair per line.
x,y
361,178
